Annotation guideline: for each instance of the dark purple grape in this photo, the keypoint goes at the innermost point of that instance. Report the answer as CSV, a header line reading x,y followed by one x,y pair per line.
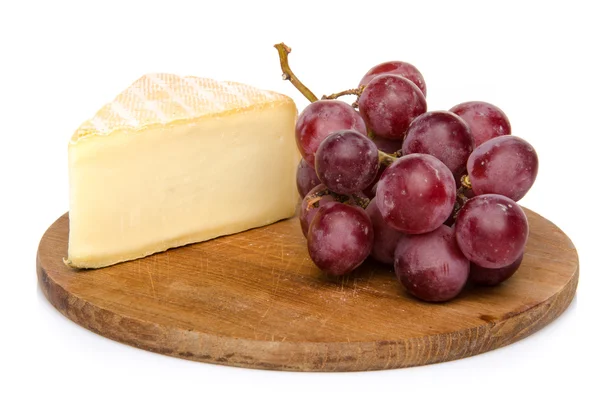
x,y
340,238
506,165
389,103
386,238
306,178
485,120
416,193
491,230
390,146
322,118
445,136
490,277
400,68
430,266
347,162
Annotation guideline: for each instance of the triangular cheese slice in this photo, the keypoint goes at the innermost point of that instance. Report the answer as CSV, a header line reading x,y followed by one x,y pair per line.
x,y
177,160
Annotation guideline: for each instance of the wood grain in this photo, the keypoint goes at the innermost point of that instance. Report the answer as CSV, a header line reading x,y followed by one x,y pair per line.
x,y
255,299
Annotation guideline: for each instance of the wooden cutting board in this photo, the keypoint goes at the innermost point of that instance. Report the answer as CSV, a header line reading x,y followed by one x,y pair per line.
x,y
256,300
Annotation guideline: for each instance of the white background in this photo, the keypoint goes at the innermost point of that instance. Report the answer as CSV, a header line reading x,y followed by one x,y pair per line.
x,y
60,62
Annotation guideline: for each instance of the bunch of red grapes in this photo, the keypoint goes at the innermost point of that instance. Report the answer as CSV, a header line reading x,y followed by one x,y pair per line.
x,y
433,193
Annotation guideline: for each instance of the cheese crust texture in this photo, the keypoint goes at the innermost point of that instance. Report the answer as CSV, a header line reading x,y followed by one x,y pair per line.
x,y
178,160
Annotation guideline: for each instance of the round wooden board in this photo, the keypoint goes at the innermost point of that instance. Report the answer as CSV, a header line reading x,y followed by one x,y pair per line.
x,y
256,300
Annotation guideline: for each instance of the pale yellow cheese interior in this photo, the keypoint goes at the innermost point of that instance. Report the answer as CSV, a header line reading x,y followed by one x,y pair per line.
x,y
146,181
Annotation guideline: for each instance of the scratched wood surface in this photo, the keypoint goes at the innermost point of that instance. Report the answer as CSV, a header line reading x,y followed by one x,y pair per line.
x,y
256,300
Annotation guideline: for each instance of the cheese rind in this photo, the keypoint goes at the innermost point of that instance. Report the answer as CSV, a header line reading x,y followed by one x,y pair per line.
x,y
172,168
159,99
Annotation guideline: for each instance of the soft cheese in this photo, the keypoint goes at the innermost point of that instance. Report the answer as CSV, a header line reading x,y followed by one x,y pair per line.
x,y
178,160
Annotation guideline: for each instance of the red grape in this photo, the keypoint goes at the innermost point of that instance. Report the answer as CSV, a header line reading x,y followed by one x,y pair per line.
x,y
347,162
416,193
322,118
306,178
311,203
489,277
430,266
386,238
491,230
443,135
403,69
389,103
505,165
340,238
485,120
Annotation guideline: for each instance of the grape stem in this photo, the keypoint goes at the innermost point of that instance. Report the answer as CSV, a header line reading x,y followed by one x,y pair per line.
x,y
284,51
386,159
465,182
342,198
351,91
363,202
461,199
460,194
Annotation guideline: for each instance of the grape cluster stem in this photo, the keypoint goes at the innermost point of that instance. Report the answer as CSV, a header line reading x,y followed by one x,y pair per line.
x,y
461,198
351,91
362,202
284,51
465,182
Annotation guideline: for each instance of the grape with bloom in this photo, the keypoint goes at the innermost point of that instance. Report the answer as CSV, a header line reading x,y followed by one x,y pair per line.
x,y
400,68
416,194
347,162
491,230
506,165
485,120
431,266
340,238
321,119
389,103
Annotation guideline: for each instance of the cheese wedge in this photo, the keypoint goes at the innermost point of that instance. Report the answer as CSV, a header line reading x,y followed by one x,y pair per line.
x,y
178,160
